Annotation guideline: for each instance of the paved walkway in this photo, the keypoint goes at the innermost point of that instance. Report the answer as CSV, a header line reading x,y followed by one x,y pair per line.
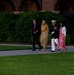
x,y
28,52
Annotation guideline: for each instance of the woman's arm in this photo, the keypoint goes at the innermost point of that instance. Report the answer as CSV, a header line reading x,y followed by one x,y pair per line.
x,y
64,30
47,28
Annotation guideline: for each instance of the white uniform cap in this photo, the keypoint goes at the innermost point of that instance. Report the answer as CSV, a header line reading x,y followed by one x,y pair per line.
x,y
53,20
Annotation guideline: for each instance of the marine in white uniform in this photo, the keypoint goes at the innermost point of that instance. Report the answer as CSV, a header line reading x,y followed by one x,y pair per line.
x,y
55,35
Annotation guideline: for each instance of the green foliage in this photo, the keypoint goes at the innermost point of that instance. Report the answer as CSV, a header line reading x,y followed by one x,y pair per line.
x,y
18,28
68,40
72,38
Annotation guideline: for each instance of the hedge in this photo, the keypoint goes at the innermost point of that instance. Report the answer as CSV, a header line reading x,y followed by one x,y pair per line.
x,y
17,28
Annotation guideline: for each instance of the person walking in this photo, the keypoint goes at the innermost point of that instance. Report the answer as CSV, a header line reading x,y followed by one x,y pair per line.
x,y
62,37
36,34
55,35
44,34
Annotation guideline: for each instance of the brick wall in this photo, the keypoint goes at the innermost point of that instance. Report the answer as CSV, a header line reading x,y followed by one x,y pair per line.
x,y
48,5
17,4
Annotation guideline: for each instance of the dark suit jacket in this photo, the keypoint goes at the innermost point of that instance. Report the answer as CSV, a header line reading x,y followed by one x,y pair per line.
x,y
36,28
56,32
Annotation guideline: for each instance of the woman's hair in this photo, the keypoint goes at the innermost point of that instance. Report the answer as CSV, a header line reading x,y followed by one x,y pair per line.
x,y
63,24
44,20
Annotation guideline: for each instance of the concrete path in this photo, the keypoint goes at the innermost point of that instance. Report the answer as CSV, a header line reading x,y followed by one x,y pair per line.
x,y
28,52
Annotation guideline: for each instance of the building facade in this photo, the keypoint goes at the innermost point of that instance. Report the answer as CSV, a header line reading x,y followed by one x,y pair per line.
x,y
36,5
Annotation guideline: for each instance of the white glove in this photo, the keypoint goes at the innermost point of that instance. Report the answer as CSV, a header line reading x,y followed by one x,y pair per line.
x,y
52,32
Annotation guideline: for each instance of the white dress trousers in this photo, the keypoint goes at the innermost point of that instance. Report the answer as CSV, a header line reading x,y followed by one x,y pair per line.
x,y
54,42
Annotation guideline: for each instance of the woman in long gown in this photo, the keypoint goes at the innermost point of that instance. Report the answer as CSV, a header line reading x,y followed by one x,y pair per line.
x,y
62,37
44,34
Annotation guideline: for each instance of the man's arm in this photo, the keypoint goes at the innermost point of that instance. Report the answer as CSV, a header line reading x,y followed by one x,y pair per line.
x,y
52,30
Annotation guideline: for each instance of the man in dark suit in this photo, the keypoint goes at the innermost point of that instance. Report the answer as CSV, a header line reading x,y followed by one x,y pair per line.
x,y
36,31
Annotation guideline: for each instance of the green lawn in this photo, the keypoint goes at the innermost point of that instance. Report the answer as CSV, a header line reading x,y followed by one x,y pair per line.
x,y
45,64
7,48
3,48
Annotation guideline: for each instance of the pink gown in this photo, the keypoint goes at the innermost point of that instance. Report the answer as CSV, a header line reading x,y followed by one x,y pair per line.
x,y
61,40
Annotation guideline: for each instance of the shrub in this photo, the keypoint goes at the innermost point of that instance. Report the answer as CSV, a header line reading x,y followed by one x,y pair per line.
x,y
18,28
72,38
68,39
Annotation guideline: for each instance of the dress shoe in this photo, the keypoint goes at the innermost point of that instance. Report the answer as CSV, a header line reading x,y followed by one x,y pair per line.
x,y
52,51
33,50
